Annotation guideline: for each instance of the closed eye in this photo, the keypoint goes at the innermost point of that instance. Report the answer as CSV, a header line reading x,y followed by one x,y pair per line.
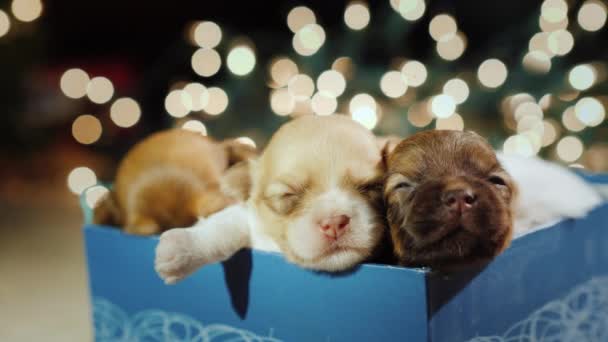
x,y
402,185
497,180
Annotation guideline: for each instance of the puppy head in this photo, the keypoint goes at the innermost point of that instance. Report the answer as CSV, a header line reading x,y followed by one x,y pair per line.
x,y
317,192
448,200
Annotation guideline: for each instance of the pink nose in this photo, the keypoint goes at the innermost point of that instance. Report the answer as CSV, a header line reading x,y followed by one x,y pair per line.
x,y
335,226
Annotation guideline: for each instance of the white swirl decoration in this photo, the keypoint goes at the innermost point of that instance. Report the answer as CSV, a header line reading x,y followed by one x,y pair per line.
x,y
580,316
112,324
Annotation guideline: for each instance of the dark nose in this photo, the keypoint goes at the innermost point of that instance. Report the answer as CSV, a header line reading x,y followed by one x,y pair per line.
x,y
461,199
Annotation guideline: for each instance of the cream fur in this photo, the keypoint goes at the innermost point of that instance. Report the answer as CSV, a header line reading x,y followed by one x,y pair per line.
x,y
547,193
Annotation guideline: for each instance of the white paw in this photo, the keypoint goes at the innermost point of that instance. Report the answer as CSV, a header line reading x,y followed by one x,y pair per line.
x,y
176,255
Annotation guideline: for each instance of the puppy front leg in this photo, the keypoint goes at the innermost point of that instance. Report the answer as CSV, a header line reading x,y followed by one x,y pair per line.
x,y
181,251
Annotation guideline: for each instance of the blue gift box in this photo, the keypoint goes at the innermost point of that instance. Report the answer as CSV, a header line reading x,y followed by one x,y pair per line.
x,y
550,285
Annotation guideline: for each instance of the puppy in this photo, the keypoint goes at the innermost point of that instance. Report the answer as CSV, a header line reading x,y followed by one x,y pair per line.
x,y
448,200
316,196
170,179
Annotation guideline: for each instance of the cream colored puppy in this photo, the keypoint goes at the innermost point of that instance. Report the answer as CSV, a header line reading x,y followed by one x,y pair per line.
x,y
316,196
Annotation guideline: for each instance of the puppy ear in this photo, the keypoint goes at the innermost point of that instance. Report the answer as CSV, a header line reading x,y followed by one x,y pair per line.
x,y
387,144
238,151
236,181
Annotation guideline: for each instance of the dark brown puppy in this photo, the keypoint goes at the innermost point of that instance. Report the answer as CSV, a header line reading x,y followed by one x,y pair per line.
x,y
448,200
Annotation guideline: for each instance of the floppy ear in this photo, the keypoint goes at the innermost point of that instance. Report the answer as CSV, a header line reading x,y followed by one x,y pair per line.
x,y
238,152
236,181
387,144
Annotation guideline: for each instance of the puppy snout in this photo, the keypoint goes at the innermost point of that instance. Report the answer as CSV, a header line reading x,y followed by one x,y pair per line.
x,y
459,200
335,226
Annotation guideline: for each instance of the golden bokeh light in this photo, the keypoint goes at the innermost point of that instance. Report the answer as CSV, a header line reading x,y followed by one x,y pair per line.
x,y
568,96
554,10
178,103
5,23
418,115
393,84
537,61
452,47
299,17
570,149
592,15
540,42
457,89
366,117
303,107
547,26
100,90
356,16
80,179
241,60
94,194
218,101
530,123
545,101
362,101
410,10
26,10
282,102
74,82
343,65
442,27
518,99
571,121
527,108
195,126
550,132
207,34
86,129
196,95
206,62
560,42
282,70
301,87
125,112
518,145
363,109
442,106
246,141
582,77
309,39
590,111
323,104
415,73
453,122
331,83
492,73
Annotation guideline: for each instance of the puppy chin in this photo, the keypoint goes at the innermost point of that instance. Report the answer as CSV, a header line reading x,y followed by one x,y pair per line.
x,y
307,246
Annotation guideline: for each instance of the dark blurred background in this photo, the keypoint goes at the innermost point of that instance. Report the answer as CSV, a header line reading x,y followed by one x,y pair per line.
x,y
82,81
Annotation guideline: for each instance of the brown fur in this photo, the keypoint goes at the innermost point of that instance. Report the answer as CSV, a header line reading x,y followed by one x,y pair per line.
x,y
421,170
170,179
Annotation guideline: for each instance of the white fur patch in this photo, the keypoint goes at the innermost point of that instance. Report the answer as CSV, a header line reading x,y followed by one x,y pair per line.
x,y
547,193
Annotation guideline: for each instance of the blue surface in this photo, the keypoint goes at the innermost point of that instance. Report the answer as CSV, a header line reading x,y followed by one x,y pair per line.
x,y
261,293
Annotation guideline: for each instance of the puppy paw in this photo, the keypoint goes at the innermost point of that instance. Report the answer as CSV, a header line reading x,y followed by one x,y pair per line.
x,y
176,255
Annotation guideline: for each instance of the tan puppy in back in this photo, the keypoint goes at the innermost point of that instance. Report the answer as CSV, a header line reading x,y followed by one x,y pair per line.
x,y
170,179
316,197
